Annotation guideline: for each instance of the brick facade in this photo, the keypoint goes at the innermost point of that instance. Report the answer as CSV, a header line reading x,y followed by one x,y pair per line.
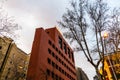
x,y
51,57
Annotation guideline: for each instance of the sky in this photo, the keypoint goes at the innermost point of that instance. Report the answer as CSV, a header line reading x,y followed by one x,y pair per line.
x,y
32,14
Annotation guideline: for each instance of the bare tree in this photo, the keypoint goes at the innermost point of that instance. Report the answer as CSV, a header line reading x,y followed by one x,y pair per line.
x,y
113,42
8,26
114,29
76,21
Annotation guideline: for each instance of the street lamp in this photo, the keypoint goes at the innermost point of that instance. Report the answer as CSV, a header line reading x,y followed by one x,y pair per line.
x,y
105,37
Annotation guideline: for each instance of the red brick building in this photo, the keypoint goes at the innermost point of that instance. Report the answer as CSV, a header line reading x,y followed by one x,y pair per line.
x,y
51,57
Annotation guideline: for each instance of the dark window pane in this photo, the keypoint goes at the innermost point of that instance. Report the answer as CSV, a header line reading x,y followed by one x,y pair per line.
x,y
49,61
69,53
49,42
60,42
49,51
65,50
48,72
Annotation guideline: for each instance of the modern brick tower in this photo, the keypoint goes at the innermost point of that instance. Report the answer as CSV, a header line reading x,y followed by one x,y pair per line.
x,y
51,57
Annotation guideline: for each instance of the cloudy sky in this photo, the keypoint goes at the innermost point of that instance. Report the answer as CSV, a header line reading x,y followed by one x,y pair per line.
x,y
31,14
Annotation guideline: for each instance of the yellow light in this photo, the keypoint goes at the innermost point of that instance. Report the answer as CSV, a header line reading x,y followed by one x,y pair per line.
x,y
20,67
105,35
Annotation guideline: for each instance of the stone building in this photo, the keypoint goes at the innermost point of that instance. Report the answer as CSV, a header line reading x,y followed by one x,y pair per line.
x,y
13,61
81,75
112,66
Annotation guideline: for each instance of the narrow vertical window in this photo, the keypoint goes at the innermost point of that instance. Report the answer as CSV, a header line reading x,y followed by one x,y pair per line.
x,y
69,53
49,61
72,57
60,42
49,51
52,74
50,42
53,64
56,77
48,72
65,50
0,47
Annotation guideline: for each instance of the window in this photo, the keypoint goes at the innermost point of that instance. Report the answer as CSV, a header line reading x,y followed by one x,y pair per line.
x,y
60,53
56,57
64,48
0,47
49,61
11,62
48,32
53,64
62,62
53,54
59,60
60,42
56,66
53,46
72,57
69,53
56,49
48,72
49,42
56,77
65,65
65,73
60,69
53,75
60,78
49,51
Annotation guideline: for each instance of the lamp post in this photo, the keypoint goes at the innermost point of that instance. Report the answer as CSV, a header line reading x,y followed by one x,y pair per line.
x,y
105,37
